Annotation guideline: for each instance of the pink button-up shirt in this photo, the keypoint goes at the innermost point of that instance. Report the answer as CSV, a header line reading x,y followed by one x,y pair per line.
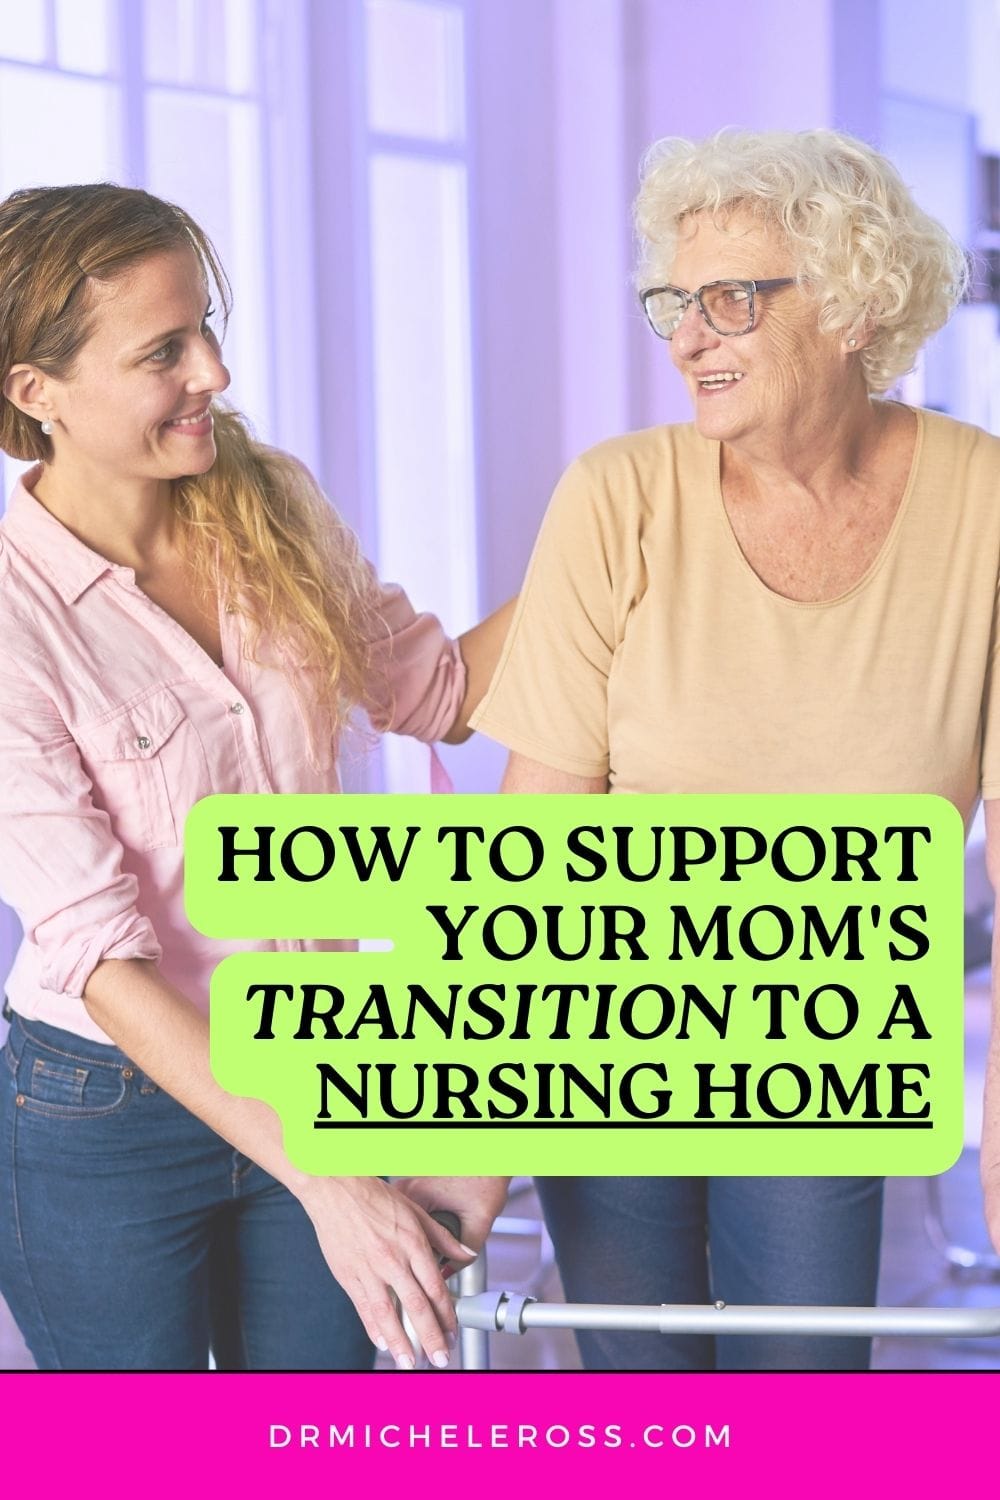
x,y
113,722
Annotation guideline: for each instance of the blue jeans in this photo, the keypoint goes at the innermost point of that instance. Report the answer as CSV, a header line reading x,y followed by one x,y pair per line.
x,y
738,1239
133,1237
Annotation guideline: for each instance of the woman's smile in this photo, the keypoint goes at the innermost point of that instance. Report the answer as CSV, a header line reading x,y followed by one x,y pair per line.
x,y
198,424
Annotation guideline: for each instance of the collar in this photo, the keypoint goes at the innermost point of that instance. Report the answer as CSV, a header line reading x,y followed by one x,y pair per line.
x,y
67,562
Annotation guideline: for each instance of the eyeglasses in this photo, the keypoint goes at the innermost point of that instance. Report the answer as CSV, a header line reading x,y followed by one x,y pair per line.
x,y
728,307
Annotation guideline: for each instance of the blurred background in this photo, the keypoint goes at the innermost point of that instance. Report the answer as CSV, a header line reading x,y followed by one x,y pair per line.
x,y
424,207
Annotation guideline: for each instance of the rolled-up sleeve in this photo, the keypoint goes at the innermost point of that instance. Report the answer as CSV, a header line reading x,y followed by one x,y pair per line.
x,y
60,863
416,677
417,680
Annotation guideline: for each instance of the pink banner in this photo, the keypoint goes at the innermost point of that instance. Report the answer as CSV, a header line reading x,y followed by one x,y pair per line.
x,y
484,1435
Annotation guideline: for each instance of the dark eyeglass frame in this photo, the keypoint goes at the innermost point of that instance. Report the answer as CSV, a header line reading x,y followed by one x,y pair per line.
x,y
686,298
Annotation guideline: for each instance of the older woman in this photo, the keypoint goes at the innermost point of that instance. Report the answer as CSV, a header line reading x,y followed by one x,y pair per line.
x,y
795,592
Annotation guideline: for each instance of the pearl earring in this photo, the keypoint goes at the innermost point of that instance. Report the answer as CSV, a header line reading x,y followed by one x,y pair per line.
x,y
47,427
851,343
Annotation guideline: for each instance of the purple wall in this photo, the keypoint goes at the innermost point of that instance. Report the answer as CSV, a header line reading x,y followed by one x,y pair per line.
x,y
563,96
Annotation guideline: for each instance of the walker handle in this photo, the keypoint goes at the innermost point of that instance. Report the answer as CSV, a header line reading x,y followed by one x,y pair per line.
x,y
450,1221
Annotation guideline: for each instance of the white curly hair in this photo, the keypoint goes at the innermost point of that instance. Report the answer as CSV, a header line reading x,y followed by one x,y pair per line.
x,y
871,257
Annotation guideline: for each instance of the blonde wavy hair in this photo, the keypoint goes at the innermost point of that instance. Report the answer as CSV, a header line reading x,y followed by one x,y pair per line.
x,y
255,523
871,258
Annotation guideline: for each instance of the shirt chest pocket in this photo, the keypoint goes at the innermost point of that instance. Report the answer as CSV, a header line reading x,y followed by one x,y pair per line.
x,y
141,759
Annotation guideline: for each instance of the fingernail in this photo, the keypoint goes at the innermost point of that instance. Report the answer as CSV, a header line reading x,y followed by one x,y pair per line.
x,y
469,1251
404,1362
381,1345
440,1359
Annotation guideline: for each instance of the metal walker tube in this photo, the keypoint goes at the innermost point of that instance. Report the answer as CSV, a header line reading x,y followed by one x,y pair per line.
x,y
481,1313
510,1312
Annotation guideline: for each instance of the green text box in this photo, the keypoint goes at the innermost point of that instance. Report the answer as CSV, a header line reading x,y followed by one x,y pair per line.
x,y
752,985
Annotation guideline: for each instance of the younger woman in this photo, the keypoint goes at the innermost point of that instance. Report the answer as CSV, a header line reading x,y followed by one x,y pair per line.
x,y
182,614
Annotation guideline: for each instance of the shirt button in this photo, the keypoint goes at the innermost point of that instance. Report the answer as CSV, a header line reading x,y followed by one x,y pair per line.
x,y
236,708
143,743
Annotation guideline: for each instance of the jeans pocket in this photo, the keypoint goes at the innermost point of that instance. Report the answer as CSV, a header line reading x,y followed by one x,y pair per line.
x,y
57,1083
70,1088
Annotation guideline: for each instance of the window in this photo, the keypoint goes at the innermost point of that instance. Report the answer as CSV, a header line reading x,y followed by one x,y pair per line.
x,y
165,94
421,336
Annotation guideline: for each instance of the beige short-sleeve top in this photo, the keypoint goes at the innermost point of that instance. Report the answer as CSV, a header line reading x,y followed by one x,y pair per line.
x,y
645,648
